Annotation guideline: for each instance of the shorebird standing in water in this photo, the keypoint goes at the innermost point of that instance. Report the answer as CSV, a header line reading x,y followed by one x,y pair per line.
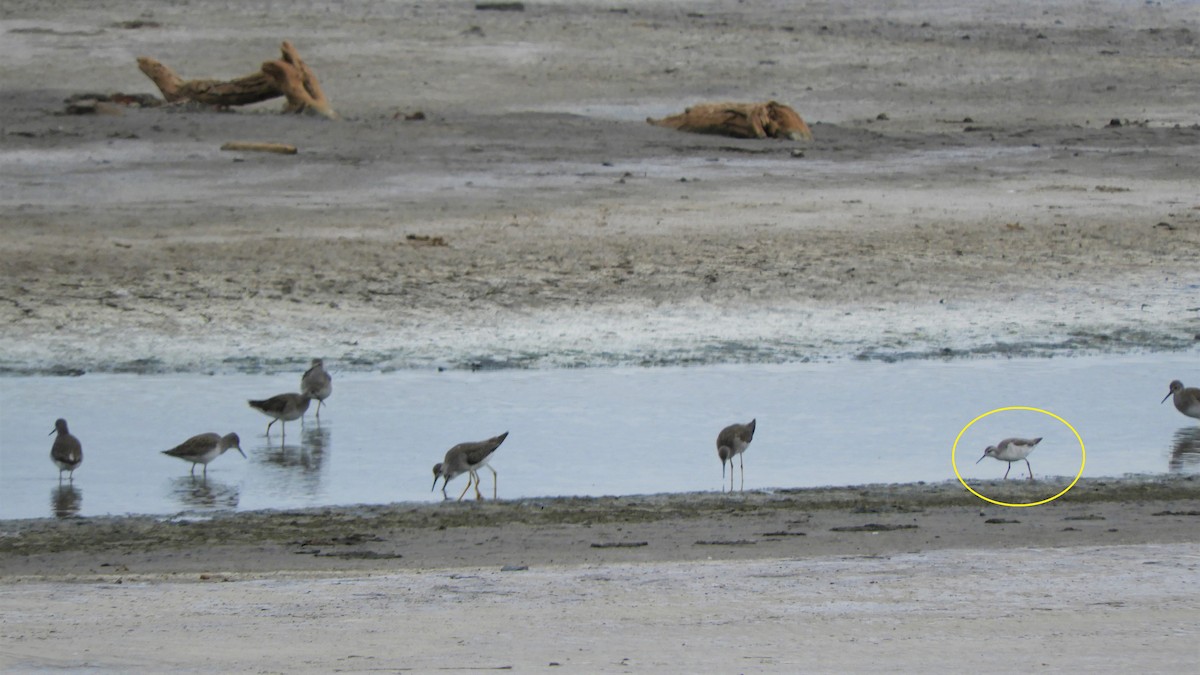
x,y
204,448
317,383
1187,401
1011,450
282,408
466,458
66,453
731,442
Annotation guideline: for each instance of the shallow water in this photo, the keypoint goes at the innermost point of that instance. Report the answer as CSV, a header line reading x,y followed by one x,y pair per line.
x,y
603,431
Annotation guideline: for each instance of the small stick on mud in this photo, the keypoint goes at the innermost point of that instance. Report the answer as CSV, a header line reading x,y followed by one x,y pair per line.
x,y
253,146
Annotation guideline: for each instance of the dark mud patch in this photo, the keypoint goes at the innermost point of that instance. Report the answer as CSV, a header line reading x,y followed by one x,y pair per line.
x,y
872,527
356,525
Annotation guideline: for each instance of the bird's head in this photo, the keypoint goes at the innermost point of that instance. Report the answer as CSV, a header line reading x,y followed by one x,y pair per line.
x,y
232,441
725,454
989,451
1174,387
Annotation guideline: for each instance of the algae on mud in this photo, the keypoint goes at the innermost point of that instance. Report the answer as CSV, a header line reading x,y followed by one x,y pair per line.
x,y
562,530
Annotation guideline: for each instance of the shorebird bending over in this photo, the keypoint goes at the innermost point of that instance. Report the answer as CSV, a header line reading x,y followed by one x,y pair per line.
x,y
731,442
204,448
317,383
66,453
466,458
282,408
1187,401
1010,450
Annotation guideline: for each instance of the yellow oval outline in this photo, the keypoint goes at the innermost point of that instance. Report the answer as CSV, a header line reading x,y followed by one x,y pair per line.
x,y
954,458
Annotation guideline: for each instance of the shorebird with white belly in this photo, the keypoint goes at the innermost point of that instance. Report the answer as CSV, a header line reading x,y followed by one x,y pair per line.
x,y
282,408
67,452
1187,401
732,442
467,458
204,448
317,383
1012,450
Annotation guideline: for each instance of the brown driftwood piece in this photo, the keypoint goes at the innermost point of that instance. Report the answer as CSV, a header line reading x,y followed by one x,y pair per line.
x,y
255,146
740,120
287,76
292,76
241,91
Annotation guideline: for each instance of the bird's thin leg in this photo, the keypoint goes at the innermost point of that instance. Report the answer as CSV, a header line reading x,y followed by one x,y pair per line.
x,y
1030,469
489,466
478,494
269,427
319,402
464,492
193,471
1007,470
742,465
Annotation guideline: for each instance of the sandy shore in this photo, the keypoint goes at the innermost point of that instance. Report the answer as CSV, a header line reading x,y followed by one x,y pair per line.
x,y
838,579
984,179
1097,609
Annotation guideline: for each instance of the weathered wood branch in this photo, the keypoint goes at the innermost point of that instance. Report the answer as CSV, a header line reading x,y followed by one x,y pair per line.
x,y
292,76
257,146
287,76
740,120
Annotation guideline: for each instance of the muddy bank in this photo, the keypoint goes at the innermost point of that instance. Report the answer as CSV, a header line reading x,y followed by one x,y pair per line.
x,y
698,526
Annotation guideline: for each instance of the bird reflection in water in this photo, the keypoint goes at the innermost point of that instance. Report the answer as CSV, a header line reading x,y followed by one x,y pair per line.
x,y
1185,451
198,493
295,470
316,440
307,456
66,500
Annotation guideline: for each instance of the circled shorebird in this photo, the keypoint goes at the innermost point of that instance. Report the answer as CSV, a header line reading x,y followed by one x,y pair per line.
x,y
282,408
317,383
1187,401
1011,450
67,452
204,448
732,442
467,458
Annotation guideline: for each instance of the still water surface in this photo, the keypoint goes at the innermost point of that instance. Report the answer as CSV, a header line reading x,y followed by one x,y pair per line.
x,y
593,432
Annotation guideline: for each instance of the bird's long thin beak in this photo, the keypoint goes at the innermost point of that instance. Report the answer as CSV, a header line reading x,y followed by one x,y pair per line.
x,y
54,430
981,458
240,452
1160,402
435,480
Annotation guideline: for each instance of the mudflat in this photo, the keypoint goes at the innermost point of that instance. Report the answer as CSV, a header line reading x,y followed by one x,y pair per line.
x,y
998,180
838,578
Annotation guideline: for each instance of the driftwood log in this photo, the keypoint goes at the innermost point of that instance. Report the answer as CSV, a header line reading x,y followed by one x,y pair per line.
x,y
286,76
257,146
740,120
